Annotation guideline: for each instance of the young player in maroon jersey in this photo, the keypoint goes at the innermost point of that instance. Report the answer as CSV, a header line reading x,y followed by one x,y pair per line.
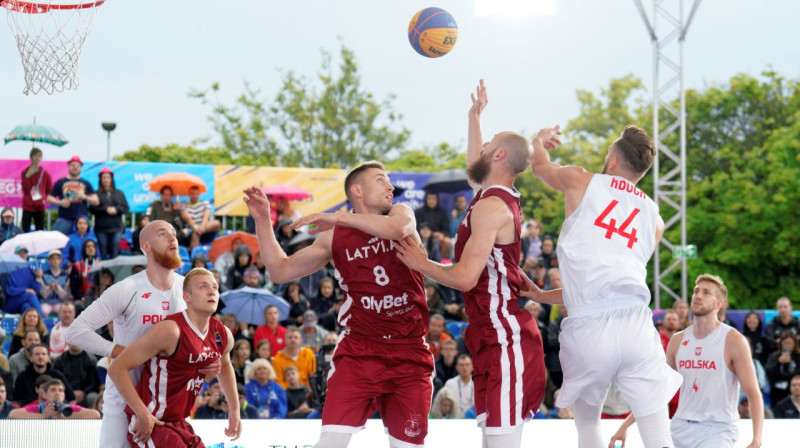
x,y
173,352
504,340
381,359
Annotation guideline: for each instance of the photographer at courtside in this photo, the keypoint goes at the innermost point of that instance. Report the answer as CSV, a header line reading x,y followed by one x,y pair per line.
x,y
54,406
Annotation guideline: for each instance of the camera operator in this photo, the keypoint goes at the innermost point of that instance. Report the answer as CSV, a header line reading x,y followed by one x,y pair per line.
x,y
216,406
319,380
54,406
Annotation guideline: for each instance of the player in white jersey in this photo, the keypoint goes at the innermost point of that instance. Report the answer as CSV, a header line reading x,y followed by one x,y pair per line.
x,y
713,359
610,231
134,305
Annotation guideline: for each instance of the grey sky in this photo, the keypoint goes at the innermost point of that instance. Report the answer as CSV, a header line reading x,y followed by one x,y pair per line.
x,y
142,57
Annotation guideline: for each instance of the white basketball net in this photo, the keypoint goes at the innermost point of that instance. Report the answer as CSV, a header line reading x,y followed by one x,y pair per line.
x,y
50,36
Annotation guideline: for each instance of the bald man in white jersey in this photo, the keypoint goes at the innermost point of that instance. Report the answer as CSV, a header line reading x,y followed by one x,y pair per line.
x,y
610,232
134,305
713,359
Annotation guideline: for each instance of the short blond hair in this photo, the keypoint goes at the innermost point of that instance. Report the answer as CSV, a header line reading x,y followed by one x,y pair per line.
x,y
715,280
195,272
250,372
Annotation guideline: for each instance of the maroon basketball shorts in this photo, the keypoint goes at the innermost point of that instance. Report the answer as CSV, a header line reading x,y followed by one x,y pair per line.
x,y
394,376
509,372
170,435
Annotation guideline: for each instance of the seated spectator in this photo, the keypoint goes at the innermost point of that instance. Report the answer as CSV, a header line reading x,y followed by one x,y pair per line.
x,y
226,260
55,284
457,213
531,243
8,229
108,214
240,359
789,407
80,369
263,393
462,385
446,364
200,225
297,406
238,329
453,303
536,311
105,279
436,334
313,335
41,395
216,406
30,320
549,255
431,244
753,331
433,295
684,317
6,406
537,273
21,287
284,234
782,365
298,304
54,406
252,277
294,355
264,350
435,216
553,279
199,261
271,331
20,360
80,280
165,209
25,384
322,302
446,405
143,221
330,320
784,321
81,233
235,275
744,409
58,342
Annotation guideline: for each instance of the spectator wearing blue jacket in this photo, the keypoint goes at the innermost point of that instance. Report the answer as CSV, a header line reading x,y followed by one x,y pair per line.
x,y
8,229
262,392
81,232
22,289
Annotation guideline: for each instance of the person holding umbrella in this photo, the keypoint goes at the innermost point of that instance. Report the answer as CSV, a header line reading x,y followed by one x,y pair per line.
x,y
36,183
71,195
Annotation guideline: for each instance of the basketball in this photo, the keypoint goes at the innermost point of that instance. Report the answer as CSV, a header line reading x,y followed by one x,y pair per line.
x,y
432,32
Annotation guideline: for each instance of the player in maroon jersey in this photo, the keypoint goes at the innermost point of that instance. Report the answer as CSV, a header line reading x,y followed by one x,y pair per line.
x,y
173,352
381,359
503,339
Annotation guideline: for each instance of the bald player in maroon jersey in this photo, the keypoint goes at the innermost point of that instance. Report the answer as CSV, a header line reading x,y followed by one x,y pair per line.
x,y
503,339
173,353
381,359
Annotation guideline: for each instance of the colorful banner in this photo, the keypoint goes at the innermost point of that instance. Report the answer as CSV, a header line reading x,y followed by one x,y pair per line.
x,y
11,178
325,186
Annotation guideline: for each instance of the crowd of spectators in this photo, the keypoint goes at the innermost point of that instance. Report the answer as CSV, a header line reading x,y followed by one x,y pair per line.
x,y
281,365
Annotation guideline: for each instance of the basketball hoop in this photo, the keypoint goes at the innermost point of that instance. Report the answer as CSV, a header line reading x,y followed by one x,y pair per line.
x,y
50,37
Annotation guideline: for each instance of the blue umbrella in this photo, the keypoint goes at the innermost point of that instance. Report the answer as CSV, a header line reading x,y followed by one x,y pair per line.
x,y
10,263
248,304
36,133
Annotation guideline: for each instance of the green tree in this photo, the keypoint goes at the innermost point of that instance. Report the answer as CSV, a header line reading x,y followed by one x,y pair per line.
x,y
432,158
175,153
330,121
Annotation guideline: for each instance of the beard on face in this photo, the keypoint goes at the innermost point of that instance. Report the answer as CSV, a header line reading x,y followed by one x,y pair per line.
x,y
164,259
704,311
480,169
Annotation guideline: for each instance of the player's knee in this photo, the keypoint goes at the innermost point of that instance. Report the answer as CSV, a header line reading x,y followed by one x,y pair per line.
x,y
333,440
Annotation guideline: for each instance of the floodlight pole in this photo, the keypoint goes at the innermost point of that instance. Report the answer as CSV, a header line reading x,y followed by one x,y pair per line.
x,y
669,187
108,127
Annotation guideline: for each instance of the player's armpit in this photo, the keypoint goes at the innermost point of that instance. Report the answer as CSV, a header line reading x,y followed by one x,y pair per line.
x,y
672,348
302,262
562,178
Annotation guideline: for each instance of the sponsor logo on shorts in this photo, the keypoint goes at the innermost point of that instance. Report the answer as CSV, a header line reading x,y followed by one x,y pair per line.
x,y
412,428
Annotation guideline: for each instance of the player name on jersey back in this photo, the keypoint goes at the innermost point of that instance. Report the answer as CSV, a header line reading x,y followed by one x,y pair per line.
x,y
383,298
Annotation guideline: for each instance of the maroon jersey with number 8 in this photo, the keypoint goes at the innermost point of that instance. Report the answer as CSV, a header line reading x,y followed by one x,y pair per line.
x,y
383,298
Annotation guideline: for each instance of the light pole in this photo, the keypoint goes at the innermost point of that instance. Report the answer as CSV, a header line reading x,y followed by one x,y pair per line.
x,y
108,127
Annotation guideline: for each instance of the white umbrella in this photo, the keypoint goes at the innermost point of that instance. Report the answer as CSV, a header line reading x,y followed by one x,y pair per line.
x,y
122,260
37,242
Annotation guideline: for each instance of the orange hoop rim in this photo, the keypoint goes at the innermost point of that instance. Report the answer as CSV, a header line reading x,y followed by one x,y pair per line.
x,y
37,8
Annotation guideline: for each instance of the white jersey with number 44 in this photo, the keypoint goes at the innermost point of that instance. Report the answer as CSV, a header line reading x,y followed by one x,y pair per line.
x,y
605,244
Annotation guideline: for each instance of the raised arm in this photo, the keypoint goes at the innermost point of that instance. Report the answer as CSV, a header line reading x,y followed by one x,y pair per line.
x,y
82,331
396,225
571,180
488,217
741,364
474,136
281,267
162,339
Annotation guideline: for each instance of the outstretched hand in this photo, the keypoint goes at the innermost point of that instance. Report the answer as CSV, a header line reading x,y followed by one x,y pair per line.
x,y
547,137
257,203
321,221
479,100
411,253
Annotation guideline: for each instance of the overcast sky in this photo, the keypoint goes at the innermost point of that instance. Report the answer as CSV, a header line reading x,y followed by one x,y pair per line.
x,y
142,57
